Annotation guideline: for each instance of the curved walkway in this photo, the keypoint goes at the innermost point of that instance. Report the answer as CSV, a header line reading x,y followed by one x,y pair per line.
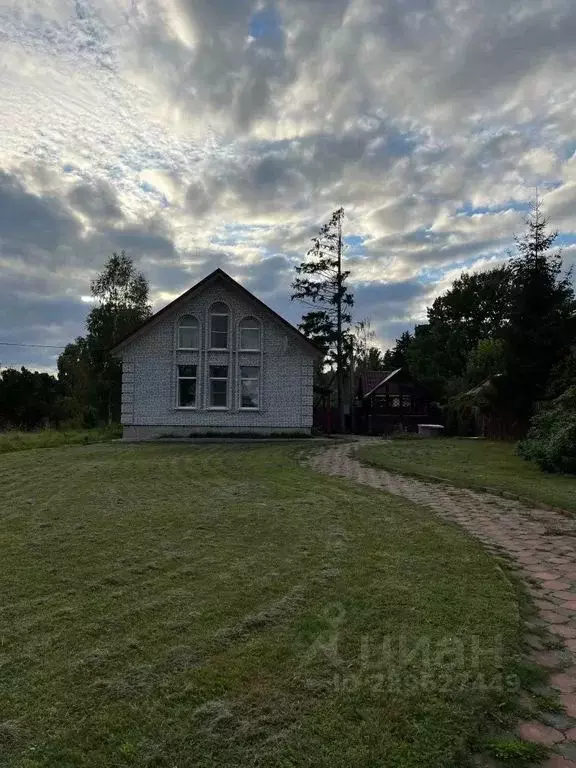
x,y
542,543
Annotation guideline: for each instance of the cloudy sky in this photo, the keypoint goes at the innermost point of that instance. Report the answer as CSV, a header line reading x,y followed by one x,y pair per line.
x,y
205,133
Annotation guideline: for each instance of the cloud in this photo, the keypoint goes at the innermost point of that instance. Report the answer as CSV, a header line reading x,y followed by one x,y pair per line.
x,y
204,133
29,221
97,200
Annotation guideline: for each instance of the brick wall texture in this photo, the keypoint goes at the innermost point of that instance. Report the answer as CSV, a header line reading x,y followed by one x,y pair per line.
x,y
149,374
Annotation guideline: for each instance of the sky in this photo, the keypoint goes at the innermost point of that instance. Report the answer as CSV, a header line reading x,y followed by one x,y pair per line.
x,y
198,134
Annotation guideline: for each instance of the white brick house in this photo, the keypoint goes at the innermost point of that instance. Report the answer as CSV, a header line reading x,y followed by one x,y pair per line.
x,y
216,359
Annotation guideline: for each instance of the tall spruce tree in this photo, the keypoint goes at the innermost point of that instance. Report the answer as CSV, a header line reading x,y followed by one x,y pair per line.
x,y
542,320
321,284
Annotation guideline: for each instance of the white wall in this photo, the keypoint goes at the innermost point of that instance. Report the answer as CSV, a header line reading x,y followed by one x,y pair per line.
x,y
149,382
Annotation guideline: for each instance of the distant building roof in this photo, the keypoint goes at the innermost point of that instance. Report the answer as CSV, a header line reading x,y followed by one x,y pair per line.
x,y
369,381
485,387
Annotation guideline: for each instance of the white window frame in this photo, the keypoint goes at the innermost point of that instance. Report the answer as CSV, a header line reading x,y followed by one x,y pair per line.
x,y
219,314
257,325
242,378
181,325
218,378
186,378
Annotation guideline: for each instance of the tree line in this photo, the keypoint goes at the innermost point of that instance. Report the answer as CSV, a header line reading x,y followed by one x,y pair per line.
x,y
513,326
87,390
504,338
501,342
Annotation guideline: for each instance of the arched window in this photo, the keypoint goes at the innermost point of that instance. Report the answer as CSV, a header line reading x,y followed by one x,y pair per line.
x,y
219,322
188,333
250,334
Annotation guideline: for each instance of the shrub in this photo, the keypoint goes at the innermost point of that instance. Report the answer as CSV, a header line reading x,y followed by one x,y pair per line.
x,y
551,439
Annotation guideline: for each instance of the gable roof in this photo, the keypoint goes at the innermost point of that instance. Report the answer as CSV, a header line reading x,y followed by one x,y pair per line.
x,y
370,381
231,283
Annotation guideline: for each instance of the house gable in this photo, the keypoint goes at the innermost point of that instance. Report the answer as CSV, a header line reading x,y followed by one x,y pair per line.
x,y
175,387
228,286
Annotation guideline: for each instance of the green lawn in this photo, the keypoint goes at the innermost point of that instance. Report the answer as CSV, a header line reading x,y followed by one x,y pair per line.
x,y
474,464
15,440
178,606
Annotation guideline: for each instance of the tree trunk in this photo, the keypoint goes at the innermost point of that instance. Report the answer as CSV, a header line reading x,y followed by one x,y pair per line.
x,y
351,392
339,382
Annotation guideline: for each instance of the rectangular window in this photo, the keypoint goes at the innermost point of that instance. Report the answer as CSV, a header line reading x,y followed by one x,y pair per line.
x,y
187,386
188,337
250,337
219,332
219,386
249,386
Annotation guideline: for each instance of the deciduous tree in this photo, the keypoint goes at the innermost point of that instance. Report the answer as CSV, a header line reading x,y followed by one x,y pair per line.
x,y
28,399
90,375
365,353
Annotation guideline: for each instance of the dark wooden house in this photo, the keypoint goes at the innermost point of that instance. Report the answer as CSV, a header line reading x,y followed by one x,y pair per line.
x,y
390,401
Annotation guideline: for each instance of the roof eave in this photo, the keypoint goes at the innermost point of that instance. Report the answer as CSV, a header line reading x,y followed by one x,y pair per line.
x,y
380,383
116,351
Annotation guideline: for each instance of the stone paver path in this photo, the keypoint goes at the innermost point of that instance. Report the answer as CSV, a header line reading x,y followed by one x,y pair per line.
x,y
543,545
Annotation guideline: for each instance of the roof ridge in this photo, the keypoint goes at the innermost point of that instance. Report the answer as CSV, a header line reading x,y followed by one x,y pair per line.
x,y
218,272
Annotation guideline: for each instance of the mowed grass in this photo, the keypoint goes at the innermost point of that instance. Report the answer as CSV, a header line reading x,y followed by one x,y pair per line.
x,y
474,464
16,440
184,606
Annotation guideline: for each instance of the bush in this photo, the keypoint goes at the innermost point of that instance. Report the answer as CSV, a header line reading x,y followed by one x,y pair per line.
x,y
551,439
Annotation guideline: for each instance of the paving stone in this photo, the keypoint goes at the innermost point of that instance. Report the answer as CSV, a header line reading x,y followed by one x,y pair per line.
x,y
554,617
556,586
545,605
540,733
568,750
564,681
559,762
547,577
557,720
569,703
548,659
563,630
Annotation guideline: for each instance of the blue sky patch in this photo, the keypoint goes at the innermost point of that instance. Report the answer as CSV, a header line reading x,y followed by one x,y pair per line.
x,y
510,205
266,23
